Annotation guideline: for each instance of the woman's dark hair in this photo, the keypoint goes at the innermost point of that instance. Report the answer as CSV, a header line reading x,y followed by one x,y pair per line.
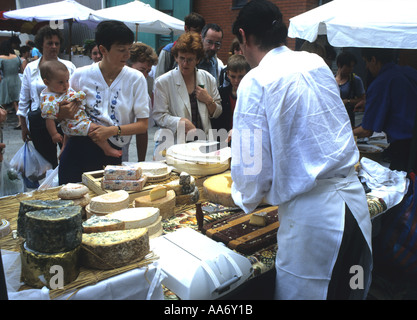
x,y
6,48
110,32
24,49
47,32
263,20
346,59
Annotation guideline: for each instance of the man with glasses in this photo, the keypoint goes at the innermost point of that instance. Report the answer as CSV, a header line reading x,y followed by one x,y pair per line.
x,y
212,36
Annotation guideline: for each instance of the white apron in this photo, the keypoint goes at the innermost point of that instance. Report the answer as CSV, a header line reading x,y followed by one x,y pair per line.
x,y
310,235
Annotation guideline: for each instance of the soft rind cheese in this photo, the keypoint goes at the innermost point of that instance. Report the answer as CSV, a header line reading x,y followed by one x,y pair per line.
x,y
109,202
33,205
153,168
36,266
165,205
218,189
114,249
54,230
71,191
136,217
102,224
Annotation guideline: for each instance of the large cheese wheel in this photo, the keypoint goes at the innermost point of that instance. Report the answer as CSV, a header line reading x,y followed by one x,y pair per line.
x,y
136,217
114,249
218,189
38,269
153,168
166,205
102,224
71,191
54,230
33,205
198,169
109,202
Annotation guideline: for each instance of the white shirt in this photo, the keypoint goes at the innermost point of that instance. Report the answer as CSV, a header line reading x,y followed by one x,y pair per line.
x,y
303,134
125,101
32,86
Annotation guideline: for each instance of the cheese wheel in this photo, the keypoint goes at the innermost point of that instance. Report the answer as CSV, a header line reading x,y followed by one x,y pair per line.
x,y
33,205
102,224
166,205
54,230
151,168
188,198
4,228
38,269
136,217
198,169
109,202
114,249
72,191
83,201
155,229
218,189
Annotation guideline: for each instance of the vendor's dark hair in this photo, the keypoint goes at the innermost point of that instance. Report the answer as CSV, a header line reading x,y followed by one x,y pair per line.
x,y
195,20
213,26
263,20
109,32
345,59
381,54
47,32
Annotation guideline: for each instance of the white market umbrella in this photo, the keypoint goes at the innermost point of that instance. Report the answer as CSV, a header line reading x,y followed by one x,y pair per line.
x,y
66,10
360,23
140,17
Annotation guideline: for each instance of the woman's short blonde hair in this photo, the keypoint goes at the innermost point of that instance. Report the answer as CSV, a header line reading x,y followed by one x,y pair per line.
x,y
189,42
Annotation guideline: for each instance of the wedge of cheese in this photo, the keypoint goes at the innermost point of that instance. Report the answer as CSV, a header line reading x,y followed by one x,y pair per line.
x,y
157,193
102,224
218,189
166,205
134,218
114,249
109,202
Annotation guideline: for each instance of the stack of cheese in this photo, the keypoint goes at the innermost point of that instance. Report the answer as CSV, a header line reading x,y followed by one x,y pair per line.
x,y
76,192
119,238
185,189
52,243
124,177
159,197
107,203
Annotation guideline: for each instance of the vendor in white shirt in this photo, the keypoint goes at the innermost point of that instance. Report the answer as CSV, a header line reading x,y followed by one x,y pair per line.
x,y
117,100
292,146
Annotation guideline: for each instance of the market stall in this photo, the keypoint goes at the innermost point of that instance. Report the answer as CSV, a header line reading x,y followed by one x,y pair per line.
x,y
203,215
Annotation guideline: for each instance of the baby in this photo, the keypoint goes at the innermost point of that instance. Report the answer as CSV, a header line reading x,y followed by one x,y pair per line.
x,y
55,76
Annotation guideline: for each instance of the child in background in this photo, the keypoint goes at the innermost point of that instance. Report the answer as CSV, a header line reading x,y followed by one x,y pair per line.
x,y
55,76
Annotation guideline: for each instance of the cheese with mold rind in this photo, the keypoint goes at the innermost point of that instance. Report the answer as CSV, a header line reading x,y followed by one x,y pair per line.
x,y
102,224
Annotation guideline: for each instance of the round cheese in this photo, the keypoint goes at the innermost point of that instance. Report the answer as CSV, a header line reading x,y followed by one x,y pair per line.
x,y
218,189
4,228
155,229
196,168
166,205
54,230
109,202
136,217
188,198
114,249
83,201
72,191
38,269
33,205
153,168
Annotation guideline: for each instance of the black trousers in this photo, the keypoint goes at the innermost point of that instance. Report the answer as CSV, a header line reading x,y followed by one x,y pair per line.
x,y
41,138
81,155
351,249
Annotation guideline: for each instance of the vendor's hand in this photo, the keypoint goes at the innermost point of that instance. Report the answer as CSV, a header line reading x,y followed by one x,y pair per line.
x,y
2,146
187,124
101,133
202,95
67,110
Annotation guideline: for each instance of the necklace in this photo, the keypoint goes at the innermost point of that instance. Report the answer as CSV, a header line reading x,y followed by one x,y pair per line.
x,y
108,77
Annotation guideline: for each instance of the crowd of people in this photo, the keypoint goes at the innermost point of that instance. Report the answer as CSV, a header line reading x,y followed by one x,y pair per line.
x,y
300,115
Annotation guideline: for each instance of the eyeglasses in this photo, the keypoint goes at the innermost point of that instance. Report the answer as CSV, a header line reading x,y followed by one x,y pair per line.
x,y
187,60
217,44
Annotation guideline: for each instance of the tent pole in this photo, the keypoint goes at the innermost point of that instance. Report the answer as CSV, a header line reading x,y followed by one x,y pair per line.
x,y
137,27
69,38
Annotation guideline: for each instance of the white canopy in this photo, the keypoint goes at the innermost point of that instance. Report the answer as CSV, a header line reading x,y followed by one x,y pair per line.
x,y
63,10
140,17
360,23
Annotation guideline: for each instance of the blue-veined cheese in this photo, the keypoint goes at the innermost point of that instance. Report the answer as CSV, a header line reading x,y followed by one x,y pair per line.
x,y
114,249
39,269
131,171
102,224
54,230
33,205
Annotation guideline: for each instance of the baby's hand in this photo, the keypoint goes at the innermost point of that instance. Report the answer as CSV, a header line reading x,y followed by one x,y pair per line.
x,y
57,138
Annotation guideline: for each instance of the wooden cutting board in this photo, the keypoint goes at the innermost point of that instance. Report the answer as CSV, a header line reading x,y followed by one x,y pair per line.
x,y
238,234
